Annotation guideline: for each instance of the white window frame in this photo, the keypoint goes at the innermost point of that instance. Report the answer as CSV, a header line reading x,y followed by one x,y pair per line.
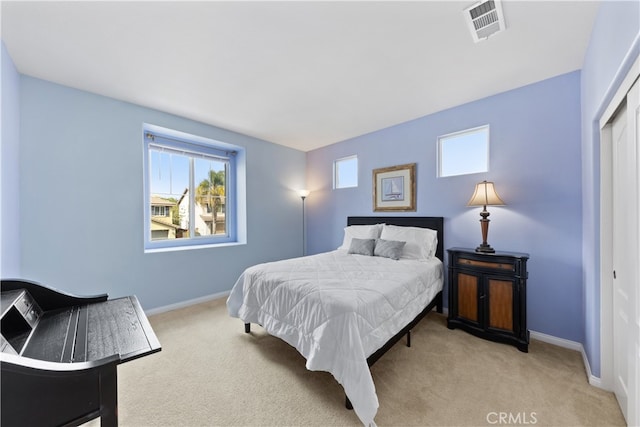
x,y
336,172
155,137
452,136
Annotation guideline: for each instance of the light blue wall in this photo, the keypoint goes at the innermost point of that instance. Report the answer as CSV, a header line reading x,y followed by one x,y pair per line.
x,y
82,201
10,203
614,45
535,164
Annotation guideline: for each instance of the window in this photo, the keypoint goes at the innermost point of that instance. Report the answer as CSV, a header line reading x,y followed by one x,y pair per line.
x,y
190,189
157,210
464,152
345,172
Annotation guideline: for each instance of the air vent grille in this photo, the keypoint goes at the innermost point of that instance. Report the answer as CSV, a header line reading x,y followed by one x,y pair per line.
x,y
482,9
484,19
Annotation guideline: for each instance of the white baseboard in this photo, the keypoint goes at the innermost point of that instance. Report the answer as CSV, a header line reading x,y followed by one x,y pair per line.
x,y
187,303
560,342
572,345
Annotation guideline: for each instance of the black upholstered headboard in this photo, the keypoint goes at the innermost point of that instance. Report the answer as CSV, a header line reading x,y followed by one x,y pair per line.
x,y
432,222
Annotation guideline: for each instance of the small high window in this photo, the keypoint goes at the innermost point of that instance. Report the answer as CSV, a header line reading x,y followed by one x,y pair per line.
x,y
345,172
464,152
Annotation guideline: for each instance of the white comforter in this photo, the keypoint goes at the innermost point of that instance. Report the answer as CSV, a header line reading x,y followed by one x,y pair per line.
x,y
337,309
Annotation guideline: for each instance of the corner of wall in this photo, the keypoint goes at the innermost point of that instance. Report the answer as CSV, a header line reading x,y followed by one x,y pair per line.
x,y
10,248
602,72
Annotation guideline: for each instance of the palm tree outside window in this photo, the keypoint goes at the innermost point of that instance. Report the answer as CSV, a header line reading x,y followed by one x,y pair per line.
x,y
211,194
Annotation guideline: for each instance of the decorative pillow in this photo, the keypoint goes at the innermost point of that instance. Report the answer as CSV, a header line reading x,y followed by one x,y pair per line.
x,y
362,246
360,232
421,243
388,248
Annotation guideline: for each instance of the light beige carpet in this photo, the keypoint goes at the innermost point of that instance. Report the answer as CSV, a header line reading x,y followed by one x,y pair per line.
x,y
210,373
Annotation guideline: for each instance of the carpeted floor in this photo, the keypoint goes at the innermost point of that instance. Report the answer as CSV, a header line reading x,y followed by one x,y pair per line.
x,y
210,373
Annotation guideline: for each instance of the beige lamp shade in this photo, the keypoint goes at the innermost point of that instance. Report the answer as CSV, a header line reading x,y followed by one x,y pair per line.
x,y
485,195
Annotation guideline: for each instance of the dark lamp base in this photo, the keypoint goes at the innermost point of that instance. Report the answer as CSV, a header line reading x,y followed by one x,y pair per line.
x,y
485,248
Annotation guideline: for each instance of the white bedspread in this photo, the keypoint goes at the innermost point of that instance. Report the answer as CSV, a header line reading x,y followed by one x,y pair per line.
x,y
337,309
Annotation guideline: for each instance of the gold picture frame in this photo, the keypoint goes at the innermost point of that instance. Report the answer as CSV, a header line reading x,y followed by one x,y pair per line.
x,y
394,188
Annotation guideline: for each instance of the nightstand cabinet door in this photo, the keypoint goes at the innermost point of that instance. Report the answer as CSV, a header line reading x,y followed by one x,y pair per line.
x,y
500,308
469,297
488,294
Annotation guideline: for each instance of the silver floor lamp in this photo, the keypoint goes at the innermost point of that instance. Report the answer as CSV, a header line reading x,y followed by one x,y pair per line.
x,y
303,195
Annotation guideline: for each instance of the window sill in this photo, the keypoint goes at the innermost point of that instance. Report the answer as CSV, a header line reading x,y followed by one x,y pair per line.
x,y
192,247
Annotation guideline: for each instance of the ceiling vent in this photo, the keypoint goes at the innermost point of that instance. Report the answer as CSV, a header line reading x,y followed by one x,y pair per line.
x,y
484,19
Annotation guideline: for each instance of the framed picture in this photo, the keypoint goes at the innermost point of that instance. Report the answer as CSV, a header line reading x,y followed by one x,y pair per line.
x,y
394,188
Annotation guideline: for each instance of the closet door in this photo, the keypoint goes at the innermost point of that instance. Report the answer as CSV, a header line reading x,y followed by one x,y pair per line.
x,y
633,406
626,199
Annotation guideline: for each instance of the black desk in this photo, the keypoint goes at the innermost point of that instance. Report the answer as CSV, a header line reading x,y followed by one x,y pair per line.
x,y
59,354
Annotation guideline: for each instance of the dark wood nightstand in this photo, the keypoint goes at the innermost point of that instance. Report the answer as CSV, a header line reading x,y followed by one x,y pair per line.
x,y
488,295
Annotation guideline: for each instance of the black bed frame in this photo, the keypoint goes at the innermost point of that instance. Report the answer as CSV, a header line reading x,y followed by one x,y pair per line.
x,y
432,222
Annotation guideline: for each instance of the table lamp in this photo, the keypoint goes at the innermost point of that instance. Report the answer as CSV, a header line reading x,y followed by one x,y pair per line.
x,y
485,195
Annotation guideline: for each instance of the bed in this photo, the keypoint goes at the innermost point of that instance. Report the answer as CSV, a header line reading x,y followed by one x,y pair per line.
x,y
343,309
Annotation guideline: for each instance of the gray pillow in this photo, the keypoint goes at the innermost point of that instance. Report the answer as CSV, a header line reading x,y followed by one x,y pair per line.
x,y
388,248
362,246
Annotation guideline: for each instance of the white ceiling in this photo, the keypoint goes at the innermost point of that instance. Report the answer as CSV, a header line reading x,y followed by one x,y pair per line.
x,y
300,74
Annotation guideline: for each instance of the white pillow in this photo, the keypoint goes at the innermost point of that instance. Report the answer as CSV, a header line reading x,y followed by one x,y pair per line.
x,y
360,232
421,242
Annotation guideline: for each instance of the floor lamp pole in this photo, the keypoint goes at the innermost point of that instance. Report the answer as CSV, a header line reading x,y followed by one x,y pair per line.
x,y
304,230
